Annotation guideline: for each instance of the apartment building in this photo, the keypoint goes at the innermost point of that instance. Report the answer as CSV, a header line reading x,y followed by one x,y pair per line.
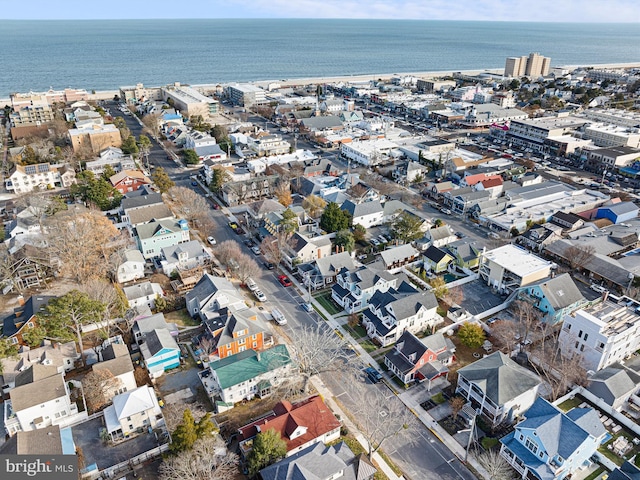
x,y
265,144
189,101
68,95
605,135
245,94
604,333
368,152
534,65
140,93
509,267
31,115
535,133
95,138
26,178
611,158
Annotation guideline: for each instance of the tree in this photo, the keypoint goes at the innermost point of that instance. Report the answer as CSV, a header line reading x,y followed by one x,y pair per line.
x,y
407,227
247,267
189,431
275,246
495,465
359,232
188,204
144,144
268,448
152,123
7,350
204,461
439,287
334,219
579,256
289,223
99,386
283,193
108,172
345,239
198,123
64,316
316,349
471,335
83,243
505,332
438,222
313,204
29,156
456,403
219,176
162,180
160,304
527,318
34,336
129,146
97,191
190,157
227,251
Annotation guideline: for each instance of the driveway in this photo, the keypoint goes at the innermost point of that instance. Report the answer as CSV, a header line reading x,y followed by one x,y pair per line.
x,y
87,436
179,379
478,297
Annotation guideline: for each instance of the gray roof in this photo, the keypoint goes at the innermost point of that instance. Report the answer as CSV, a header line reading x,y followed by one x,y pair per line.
x,y
332,264
628,471
156,340
136,201
116,359
499,377
319,462
320,123
38,392
362,209
205,150
147,324
148,213
435,254
621,208
614,382
398,254
404,301
192,248
139,290
43,441
133,255
147,230
440,233
561,291
35,373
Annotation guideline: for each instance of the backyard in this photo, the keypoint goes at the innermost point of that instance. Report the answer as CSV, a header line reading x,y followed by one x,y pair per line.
x,y
181,318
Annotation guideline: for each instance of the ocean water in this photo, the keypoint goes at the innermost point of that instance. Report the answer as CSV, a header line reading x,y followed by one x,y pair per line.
x,y
103,55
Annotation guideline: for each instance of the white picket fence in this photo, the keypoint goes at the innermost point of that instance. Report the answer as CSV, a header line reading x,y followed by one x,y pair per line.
x,y
114,470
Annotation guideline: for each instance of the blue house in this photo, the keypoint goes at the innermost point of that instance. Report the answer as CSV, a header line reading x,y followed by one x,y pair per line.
x,y
554,297
160,352
618,212
549,444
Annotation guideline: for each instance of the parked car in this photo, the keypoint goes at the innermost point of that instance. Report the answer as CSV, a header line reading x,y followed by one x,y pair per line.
x,y
233,225
284,280
307,307
239,231
194,183
260,296
375,242
211,240
251,285
256,250
278,317
373,375
446,211
269,265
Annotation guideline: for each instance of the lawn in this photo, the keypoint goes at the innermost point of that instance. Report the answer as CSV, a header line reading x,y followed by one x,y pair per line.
x,y
356,332
324,299
570,404
181,318
438,398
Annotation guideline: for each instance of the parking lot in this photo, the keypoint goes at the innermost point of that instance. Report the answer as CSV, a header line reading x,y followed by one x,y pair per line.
x,y
478,297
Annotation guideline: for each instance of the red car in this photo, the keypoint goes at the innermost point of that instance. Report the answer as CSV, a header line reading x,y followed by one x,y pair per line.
x,y
284,280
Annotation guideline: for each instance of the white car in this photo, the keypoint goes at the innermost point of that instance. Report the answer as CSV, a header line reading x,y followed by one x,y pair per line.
x,y
278,317
260,296
251,285
211,240
256,250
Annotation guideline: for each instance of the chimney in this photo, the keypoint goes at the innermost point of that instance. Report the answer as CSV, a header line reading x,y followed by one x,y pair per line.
x,y
21,301
258,356
605,295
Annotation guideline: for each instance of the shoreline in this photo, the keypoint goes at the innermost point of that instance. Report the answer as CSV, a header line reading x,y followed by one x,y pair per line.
x,y
360,78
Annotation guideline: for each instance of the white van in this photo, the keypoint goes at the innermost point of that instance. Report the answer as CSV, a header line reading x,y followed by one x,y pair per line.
x,y
278,316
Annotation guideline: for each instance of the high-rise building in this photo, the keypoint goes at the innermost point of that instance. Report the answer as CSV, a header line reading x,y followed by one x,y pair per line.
x,y
533,66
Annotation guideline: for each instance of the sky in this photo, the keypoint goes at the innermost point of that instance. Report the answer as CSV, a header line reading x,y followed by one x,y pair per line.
x,y
580,11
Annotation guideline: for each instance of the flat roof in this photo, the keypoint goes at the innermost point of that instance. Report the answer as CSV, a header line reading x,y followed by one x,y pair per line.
x,y
517,260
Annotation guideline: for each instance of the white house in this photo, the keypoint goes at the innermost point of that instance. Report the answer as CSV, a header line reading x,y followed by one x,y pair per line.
x,y
133,412
116,360
367,214
604,333
143,294
26,178
210,295
498,386
113,157
132,266
353,289
183,256
39,399
397,310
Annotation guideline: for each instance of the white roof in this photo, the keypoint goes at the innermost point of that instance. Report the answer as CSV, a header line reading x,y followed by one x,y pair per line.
x,y
517,260
135,401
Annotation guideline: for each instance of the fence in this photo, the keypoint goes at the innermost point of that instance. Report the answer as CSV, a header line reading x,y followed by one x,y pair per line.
x,y
129,464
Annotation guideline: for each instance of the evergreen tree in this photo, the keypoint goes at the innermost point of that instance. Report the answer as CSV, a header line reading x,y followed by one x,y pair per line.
x,y
268,448
129,146
334,219
344,238
190,157
162,180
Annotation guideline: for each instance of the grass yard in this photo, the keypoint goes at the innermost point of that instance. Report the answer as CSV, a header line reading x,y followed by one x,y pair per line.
x,y
181,318
356,332
570,404
438,398
324,299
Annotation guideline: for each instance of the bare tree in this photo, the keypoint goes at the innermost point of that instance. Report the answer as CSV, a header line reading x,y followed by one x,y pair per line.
x,y
495,465
283,193
316,349
579,256
454,296
505,332
188,204
37,204
209,459
152,123
247,267
99,387
275,246
82,242
314,205
527,318
380,416
106,293
227,251
457,403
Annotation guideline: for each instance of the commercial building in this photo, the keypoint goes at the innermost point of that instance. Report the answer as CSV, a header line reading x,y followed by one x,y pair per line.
x,y
534,65
536,133
605,135
246,94
368,152
611,158
189,101
603,334
68,95
489,114
509,267
613,116
264,144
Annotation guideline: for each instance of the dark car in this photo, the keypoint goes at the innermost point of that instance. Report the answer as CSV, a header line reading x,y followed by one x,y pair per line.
x,y
373,375
194,183
269,265
216,206
240,231
249,243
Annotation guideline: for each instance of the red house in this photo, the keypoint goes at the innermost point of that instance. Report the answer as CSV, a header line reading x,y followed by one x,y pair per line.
x,y
129,181
416,360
